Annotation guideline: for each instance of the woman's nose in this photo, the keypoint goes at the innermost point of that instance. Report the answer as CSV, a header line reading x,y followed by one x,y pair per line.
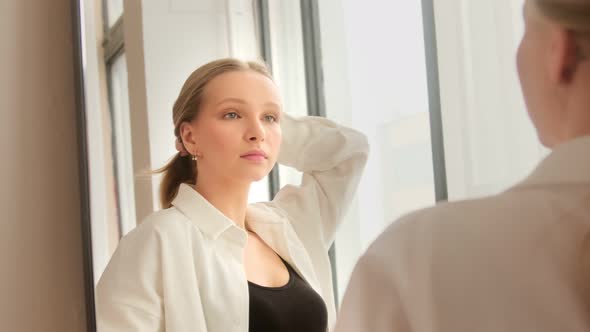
x,y
256,131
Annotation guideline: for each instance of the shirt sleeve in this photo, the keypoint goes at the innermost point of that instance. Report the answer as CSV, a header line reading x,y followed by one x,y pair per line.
x,y
128,295
332,158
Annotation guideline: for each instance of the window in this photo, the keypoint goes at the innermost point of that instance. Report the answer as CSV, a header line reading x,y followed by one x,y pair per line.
x,y
376,82
489,141
121,130
377,79
118,109
107,109
288,68
114,11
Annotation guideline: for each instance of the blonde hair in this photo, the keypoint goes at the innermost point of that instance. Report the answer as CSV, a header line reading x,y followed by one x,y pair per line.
x,y
181,169
572,14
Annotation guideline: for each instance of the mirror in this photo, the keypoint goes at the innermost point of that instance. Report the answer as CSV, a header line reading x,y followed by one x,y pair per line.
x,y
377,67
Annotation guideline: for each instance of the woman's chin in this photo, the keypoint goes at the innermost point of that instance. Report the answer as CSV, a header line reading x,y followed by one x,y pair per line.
x,y
257,176
252,176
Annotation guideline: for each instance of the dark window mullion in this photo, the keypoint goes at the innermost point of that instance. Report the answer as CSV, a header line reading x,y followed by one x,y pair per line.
x,y
434,103
113,46
312,55
314,85
263,25
114,42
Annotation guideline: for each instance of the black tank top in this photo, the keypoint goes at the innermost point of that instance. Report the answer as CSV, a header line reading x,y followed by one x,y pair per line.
x,y
294,307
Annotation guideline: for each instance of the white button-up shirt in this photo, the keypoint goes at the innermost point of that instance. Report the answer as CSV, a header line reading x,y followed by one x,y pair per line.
x,y
182,268
517,261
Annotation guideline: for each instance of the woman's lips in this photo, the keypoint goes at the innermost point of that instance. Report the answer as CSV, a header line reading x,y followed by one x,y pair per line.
x,y
256,155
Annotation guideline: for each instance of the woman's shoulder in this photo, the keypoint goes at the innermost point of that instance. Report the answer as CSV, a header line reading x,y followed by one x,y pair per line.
x,y
162,224
165,217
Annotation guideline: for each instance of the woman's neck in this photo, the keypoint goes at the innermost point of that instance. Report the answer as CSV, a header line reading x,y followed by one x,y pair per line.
x,y
229,198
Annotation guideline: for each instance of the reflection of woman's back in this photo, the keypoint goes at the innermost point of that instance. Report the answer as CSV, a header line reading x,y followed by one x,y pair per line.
x,y
211,262
515,261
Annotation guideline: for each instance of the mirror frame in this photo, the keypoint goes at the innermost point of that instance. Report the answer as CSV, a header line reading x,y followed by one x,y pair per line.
x,y
83,170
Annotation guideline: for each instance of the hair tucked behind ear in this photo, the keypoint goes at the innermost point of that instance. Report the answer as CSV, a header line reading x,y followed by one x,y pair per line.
x,y
182,169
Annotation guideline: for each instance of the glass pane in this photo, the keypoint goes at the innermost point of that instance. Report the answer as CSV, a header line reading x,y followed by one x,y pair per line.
x,y
375,81
119,95
288,66
114,11
490,143
259,191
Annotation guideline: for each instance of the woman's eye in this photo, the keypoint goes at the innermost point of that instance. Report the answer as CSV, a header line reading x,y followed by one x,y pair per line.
x,y
231,115
270,118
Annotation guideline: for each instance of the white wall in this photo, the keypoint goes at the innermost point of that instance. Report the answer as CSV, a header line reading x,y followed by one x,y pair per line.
x,y
41,278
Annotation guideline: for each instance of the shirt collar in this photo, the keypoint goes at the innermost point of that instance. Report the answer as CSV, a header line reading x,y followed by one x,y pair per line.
x,y
206,216
264,218
567,163
214,223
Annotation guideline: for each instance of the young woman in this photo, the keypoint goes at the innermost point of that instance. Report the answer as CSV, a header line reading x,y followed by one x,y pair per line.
x,y
211,262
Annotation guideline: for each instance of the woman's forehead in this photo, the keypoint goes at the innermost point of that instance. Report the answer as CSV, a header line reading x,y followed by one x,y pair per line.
x,y
241,87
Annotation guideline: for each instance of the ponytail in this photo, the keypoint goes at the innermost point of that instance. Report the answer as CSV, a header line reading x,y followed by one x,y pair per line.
x,y
177,171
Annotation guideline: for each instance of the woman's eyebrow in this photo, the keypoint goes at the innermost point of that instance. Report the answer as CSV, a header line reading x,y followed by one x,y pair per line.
x,y
234,100
271,104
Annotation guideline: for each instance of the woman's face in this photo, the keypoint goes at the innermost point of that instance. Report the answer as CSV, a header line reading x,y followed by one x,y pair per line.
x,y
236,133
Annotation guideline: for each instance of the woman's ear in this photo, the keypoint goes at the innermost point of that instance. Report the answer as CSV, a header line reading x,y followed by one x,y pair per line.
x,y
187,135
565,56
